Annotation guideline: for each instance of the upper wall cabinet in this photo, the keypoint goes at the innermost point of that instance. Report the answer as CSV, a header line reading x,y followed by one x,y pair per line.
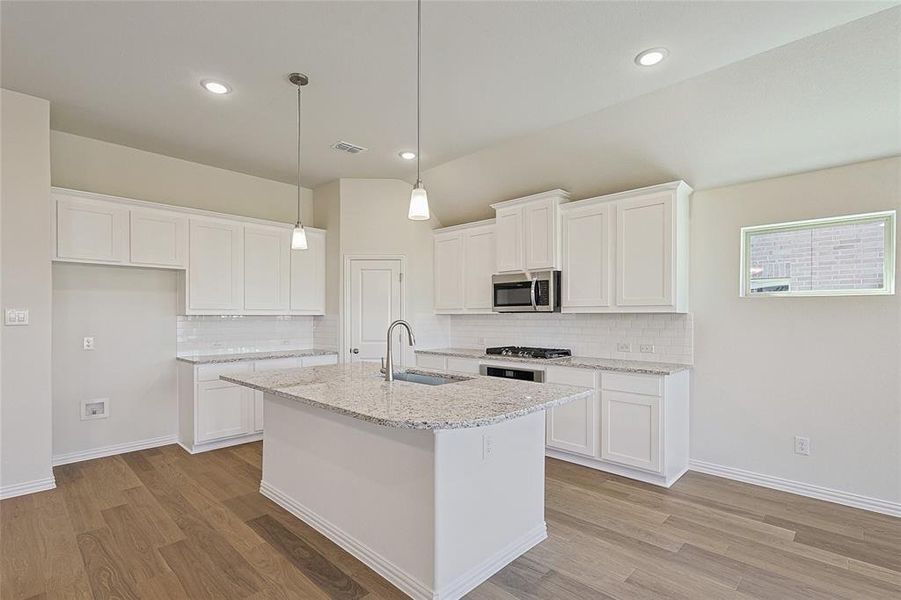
x,y
464,263
308,275
159,238
636,242
230,265
216,266
91,230
527,235
587,235
267,268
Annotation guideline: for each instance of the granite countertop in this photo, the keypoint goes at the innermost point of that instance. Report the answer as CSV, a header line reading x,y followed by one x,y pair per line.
x,y
360,391
578,362
201,359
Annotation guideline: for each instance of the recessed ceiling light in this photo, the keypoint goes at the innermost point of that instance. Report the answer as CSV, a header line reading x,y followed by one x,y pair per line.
x,y
407,155
651,57
215,87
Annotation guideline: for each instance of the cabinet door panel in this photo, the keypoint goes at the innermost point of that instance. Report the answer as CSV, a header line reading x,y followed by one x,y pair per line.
x,y
158,238
631,430
587,263
644,249
479,265
91,230
223,410
267,270
308,275
540,221
509,239
573,427
216,265
449,271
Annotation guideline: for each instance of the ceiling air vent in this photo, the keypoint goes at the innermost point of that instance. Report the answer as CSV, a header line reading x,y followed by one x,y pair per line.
x,y
348,147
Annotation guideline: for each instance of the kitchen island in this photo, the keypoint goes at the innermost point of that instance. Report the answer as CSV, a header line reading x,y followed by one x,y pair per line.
x,y
435,487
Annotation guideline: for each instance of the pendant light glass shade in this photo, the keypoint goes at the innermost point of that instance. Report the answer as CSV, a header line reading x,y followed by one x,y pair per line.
x,y
299,237
419,204
419,200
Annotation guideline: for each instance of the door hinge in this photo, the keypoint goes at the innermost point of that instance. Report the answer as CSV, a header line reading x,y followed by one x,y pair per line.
x,y
400,277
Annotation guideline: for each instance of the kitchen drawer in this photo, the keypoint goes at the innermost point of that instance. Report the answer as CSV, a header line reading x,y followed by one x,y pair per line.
x,y
649,385
325,359
213,372
463,365
273,364
431,361
570,376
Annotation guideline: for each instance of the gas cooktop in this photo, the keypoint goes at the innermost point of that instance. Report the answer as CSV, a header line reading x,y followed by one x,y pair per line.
x,y
526,352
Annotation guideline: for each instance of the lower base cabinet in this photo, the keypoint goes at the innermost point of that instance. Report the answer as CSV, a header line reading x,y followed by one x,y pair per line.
x,y
213,413
634,425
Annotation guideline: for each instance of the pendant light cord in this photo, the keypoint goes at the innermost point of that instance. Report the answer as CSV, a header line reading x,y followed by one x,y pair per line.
x,y
418,85
298,155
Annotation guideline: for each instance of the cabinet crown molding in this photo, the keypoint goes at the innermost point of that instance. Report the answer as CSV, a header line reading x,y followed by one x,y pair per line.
x,y
555,193
464,226
678,186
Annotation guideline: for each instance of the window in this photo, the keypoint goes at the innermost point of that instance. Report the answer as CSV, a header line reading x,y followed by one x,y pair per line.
x,y
851,255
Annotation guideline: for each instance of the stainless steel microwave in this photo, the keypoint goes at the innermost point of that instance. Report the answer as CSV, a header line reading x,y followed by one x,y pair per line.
x,y
538,291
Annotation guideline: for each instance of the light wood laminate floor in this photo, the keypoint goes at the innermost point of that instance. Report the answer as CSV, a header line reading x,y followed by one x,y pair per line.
x,y
164,524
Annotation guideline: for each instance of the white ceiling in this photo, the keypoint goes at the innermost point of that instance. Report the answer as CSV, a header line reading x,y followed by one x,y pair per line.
x,y
129,72
830,99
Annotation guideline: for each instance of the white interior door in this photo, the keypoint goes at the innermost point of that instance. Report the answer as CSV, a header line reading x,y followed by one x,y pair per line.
x,y
374,301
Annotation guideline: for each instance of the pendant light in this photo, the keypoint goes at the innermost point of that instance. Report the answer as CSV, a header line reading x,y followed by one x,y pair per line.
x,y
299,236
419,200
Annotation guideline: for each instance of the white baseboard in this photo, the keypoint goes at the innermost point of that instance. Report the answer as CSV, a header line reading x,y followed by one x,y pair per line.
x,y
886,507
394,574
475,577
198,448
71,457
28,487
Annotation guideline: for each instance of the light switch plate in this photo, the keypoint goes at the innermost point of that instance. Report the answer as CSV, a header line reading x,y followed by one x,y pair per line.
x,y
16,316
623,347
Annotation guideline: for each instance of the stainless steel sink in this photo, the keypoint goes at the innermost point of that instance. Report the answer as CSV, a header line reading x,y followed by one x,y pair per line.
x,y
426,378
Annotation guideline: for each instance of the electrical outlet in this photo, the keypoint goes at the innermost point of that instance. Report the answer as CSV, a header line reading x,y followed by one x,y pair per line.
x,y
646,348
487,446
802,445
88,343
623,347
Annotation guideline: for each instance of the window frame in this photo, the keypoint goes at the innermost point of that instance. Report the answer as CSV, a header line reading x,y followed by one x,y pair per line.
x,y
888,277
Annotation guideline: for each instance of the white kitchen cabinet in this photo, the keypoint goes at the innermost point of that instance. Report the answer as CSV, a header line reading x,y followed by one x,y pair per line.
x,y
528,237
573,427
448,270
215,266
91,230
479,264
308,275
464,261
224,410
509,238
587,247
213,413
652,249
631,429
267,268
158,238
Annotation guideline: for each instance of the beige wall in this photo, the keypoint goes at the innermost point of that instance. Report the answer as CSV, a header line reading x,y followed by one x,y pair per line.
x,y
372,220
767,369
25,438
130,313
92,165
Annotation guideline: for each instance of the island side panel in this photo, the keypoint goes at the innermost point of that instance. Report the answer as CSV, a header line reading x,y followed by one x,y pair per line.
x,y
489,495
367,487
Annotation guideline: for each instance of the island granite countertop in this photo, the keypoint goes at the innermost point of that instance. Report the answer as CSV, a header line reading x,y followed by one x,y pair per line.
x,y
225,357
577,362
358,390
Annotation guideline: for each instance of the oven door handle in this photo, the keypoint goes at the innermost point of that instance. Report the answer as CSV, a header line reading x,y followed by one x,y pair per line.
x,y
532,293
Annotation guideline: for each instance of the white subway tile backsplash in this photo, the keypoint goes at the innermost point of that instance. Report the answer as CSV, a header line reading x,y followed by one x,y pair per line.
x,y
586,335
233,333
